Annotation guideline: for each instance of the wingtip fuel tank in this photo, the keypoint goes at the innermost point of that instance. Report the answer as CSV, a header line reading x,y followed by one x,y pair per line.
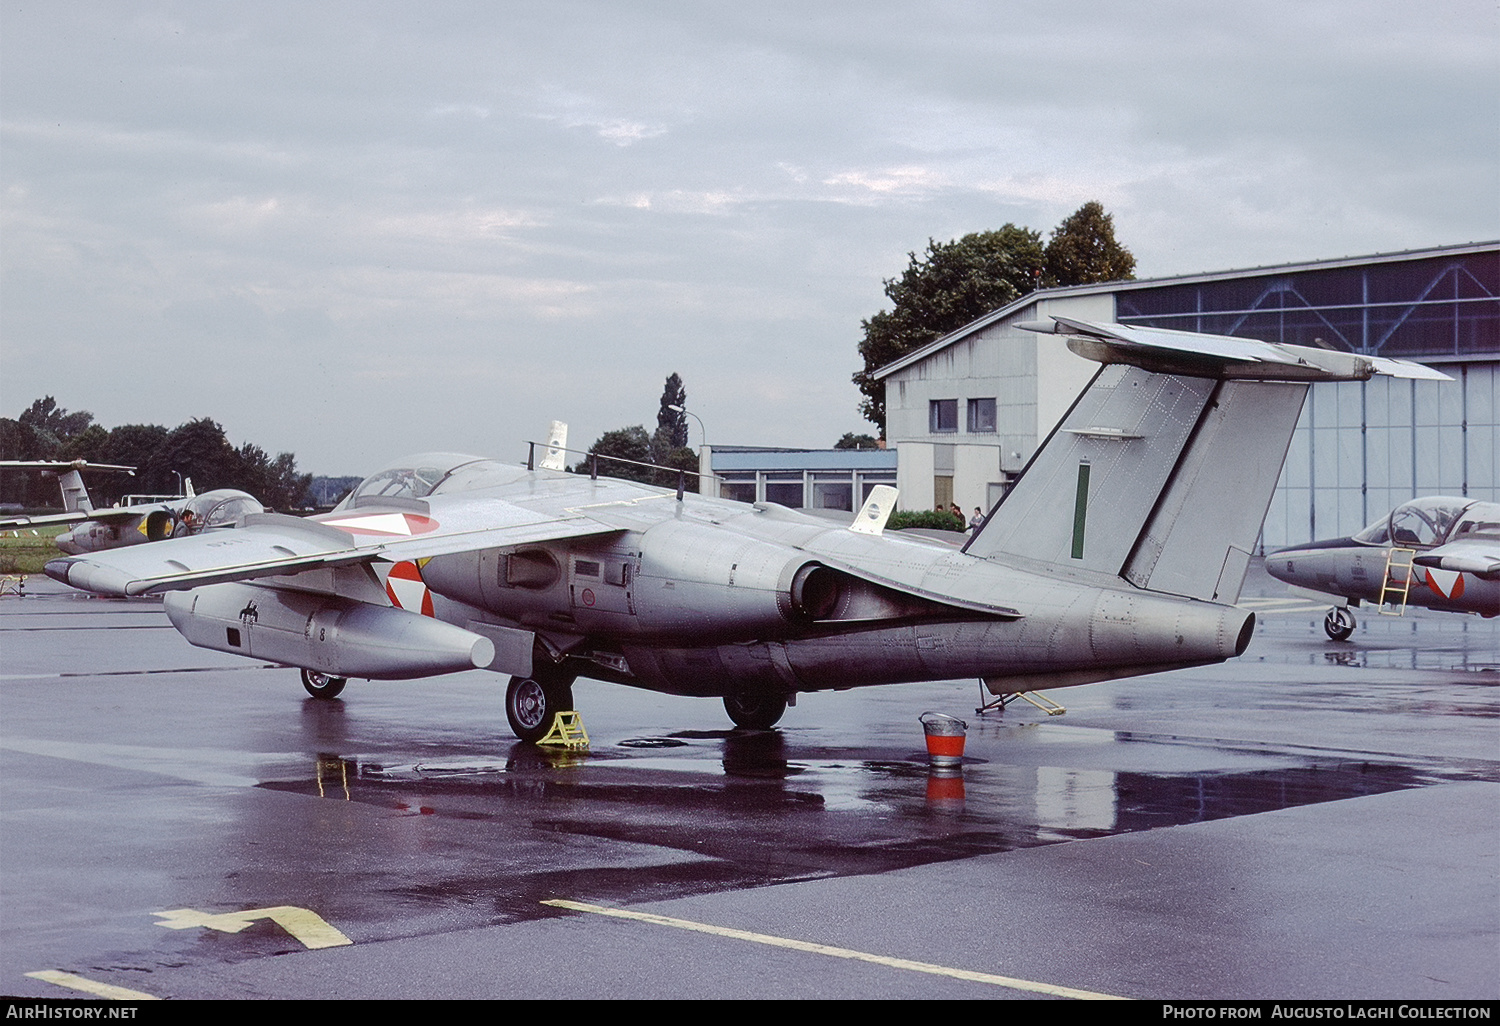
x,y
327,633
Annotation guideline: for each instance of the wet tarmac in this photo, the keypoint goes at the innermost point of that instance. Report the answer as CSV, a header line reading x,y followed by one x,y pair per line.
x,y
1313,820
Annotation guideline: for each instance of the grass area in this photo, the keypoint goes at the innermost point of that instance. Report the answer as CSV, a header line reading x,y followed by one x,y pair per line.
x,y
22,552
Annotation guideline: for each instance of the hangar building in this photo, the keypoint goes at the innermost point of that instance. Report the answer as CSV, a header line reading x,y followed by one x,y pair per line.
x,y
968,410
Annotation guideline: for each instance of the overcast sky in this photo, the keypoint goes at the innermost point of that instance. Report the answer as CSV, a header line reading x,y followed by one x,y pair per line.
x,y
358,230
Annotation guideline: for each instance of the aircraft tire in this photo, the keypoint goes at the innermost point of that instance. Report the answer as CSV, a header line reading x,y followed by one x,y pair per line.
x,y
321,685
755,710
1339,624
532,704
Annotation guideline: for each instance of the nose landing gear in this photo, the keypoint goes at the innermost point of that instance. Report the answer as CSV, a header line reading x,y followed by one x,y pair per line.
x,y
1339,623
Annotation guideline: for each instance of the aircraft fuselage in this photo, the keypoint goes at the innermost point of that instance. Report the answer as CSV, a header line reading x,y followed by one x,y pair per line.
x,y
1357,572
685,607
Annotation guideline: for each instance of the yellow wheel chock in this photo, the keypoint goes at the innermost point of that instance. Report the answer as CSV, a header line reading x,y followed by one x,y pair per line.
x,y
567,732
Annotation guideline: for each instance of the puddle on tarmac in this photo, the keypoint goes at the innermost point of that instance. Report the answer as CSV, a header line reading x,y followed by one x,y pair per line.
x,y
755,794
750,810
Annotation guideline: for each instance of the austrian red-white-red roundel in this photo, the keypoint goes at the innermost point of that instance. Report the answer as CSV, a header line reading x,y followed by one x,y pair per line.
x,y
407,590
1447,583
384,525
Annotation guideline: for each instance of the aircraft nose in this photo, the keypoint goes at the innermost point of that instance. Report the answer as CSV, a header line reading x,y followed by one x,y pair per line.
x,y
1282,564
1294,564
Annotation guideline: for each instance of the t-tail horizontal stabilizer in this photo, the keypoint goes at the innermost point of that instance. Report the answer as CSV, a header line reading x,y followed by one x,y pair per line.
x,y
1162,471
1221,356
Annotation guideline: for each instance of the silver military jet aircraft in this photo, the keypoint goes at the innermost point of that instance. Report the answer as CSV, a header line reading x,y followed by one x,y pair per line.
x,y
1120,551
113,526
1439,551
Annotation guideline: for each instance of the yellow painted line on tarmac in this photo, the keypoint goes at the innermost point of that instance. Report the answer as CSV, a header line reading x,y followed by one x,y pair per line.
x,y
305,925
94,987
824,949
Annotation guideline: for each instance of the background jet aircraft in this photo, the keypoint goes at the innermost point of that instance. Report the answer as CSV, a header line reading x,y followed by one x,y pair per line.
x,y
1120,551
115,526
1440,552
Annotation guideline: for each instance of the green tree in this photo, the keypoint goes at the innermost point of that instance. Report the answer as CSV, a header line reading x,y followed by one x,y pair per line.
x,y
52,426
1083,250
17,441
197,449
950,285
671,425
630,443
954,283
681,459
275,482
853,441
92,443
135,445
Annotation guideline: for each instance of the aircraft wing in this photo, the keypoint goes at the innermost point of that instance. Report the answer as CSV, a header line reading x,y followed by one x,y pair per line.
x,y
1471,555
273,544
45,520
62,465
907,566
76,517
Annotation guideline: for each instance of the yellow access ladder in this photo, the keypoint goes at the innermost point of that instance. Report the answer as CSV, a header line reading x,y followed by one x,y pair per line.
x,y
1395,591
1036,698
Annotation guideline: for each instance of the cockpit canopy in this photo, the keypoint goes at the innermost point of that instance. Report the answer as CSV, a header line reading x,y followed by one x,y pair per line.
x,y
417,477
222,507
1421,523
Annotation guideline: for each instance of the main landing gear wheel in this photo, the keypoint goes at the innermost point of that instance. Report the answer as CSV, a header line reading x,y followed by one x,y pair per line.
x,y
321,685
531,705
1339,623
755,710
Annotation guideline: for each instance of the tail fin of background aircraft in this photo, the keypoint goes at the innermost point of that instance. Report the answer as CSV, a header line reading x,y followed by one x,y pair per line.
x,y
557,445
75,496
1162,471
876,511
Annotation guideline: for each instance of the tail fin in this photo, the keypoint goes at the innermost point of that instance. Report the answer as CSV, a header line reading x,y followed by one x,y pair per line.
x,y
1162,471
557,444
876,511
75,496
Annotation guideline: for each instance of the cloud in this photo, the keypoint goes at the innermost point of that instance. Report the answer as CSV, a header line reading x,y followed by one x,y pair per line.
x,y
509,213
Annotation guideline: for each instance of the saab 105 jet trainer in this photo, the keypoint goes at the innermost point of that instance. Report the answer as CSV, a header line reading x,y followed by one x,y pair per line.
x,y
110,527
1440,551
1120,551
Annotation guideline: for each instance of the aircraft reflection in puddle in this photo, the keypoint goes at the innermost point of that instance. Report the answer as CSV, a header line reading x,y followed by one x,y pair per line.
x,y
998,807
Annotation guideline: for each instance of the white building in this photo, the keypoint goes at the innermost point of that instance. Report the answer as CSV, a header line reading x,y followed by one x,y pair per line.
x,y
967,412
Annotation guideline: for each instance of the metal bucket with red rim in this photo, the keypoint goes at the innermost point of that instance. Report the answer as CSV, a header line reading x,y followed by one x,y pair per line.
x,y
945,738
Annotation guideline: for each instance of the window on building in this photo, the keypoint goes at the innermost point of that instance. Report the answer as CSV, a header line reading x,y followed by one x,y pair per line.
x,y
785,489
867,483
739,487
834,494
982,416
942,416
784,494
